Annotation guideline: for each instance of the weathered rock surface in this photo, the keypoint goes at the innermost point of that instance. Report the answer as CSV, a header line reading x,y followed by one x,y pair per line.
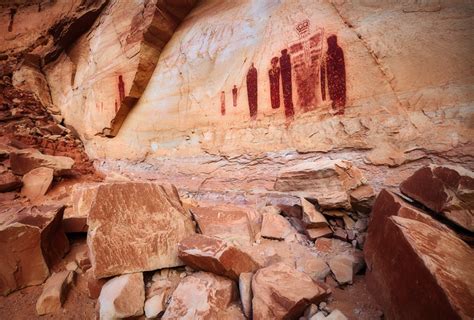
x,y
54,292
122,297
329,182
281,292
9,182
275,226
163,284
213,255
245,290
23,161
447,190
37,182
425,257
104,73
311,216
31,239
224,223
135,226
202,296
315,233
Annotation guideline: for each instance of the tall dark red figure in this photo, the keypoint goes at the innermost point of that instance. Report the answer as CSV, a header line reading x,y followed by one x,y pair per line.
x,y
285,65
234,96
252,91
334,72
274,75
121,88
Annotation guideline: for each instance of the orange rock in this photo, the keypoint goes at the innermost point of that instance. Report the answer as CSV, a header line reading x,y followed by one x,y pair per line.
x,y
9,182
54,292
211,254
281,292
37,182
204,296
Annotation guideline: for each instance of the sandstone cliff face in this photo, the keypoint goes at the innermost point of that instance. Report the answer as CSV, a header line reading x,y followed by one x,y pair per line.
x,y
387,91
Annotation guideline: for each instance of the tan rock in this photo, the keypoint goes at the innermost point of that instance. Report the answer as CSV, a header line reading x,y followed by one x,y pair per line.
x,y
54,292
32,240
108,88
203,295
225,223
245,289
428,253
327,181
155,305
447,190
133,227
313,266
341,267
281,292
311,216
315,233
9,182
274,226
213,255
362,198
23,161
122,297
37,182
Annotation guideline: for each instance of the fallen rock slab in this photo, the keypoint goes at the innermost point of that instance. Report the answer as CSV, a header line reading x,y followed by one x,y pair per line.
x,y
9,182
275,226
447,190
37,182
428,273
228,224
54,292
23,161
311,216
202,296
122,297
315,233
135,226
282,292
211,254
31,240
329,182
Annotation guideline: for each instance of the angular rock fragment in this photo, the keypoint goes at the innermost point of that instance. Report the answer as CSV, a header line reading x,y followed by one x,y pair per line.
x,y
274,226
245,289
73,223
9,182
94,286
425,257
54,292
37,182
211,254
362,198
135,226
281,292
202,296
31,239
164,282
447,190
155,305
315,233
311,216
224,223
23,161
329,182
122,297
341,267
313,266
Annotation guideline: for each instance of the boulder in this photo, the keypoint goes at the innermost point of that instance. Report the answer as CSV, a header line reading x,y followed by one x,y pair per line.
x,y
447,190
155,305
135,226
225,223
158,293
54,292
362,198
37,182
214,255
313,266
311,216
9,182
329,182
281,292
245,289
31,240
202,296
428,271
341,268
23,161
275,226
122,297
